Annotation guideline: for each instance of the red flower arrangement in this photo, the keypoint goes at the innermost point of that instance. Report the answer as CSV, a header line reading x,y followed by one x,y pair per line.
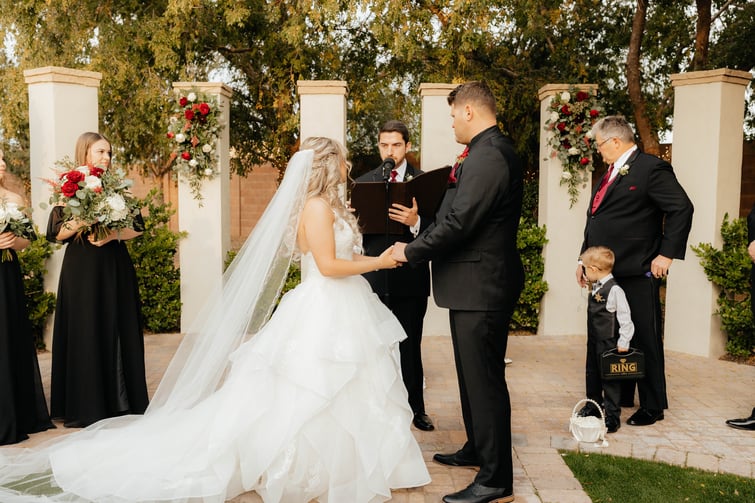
x,y
572,114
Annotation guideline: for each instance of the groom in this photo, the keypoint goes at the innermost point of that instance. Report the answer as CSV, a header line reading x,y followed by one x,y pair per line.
x,y
478,275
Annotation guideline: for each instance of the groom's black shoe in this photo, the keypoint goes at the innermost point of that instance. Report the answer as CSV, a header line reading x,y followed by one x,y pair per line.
x,y
645,417
423,422
478,493
455,459
746,423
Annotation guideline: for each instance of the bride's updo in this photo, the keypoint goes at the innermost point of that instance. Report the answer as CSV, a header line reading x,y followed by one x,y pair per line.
x,y
329,156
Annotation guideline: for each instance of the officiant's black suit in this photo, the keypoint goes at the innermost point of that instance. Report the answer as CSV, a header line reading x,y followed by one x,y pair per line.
x,y
644,213
404,291
477,274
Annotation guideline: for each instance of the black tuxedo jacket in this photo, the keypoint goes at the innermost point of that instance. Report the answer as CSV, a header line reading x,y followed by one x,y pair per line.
x,y
751,226
403,281
644,213
472,243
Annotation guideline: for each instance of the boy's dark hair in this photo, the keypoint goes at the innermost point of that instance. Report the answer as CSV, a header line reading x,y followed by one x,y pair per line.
x,y
476,92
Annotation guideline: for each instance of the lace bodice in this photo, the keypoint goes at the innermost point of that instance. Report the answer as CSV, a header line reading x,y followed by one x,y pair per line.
x,y
347,243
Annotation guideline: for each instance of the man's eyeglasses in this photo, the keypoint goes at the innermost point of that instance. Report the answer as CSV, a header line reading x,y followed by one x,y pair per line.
x,y
605,141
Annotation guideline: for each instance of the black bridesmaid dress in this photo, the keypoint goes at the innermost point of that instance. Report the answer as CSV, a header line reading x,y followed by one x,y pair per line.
x,y
23,409
98,344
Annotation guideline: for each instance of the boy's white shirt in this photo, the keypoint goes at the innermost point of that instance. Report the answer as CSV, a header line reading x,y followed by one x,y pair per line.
x,y
617,303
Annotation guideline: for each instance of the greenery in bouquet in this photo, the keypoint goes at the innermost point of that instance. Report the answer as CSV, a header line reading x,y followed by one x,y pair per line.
x,y
100,197
13,219
571,117
193,132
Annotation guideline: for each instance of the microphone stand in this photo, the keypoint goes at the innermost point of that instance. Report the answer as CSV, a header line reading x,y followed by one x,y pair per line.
x,y
387,179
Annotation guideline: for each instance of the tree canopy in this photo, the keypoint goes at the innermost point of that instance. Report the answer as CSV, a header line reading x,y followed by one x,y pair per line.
x,y
383,49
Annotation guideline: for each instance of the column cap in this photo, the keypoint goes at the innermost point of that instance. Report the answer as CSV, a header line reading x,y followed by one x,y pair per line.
x,y
206,87
552,89
708,76
339,87
62,75
436,89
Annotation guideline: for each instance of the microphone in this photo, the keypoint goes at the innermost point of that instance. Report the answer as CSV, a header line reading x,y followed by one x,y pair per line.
x,y
387,167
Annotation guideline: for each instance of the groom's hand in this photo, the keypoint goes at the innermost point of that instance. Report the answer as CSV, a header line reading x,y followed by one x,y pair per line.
x,y
398,252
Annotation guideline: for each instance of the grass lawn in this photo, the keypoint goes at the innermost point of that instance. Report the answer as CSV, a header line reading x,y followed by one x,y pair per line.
x,y
625,480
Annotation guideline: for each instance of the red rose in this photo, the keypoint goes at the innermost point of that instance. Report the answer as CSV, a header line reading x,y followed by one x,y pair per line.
x,y
561,126
189,115
565,110
186,156
69,188
584,161
582,96
204,108
95,171
74,176
171,135
183,101
594,113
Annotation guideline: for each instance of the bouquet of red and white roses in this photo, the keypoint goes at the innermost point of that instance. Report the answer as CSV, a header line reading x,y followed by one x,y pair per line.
x,y
98,196
13,219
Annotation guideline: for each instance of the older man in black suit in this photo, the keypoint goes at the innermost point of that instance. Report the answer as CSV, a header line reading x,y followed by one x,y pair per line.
x,y
403,290
641,212
477,273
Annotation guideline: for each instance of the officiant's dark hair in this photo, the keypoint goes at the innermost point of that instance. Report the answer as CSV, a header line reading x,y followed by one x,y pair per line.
x,y
394,126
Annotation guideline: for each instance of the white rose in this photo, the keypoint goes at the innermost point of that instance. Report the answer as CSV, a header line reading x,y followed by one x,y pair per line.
x,y
191,97
565,96
13,212
83,169
180,138
193,163
117,206
173,119
208,172
573,151
566,175
206,148
92,182
553,117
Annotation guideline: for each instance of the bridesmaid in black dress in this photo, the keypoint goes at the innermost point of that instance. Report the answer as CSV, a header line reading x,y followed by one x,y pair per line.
x,y
98,345
23,408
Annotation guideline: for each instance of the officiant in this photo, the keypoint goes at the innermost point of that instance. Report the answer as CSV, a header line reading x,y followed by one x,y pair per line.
x,y
403,290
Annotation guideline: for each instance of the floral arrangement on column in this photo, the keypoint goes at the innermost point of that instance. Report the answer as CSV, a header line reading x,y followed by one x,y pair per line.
x,y
193,130
572,114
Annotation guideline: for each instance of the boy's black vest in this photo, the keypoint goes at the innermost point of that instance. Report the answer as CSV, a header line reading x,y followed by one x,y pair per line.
x,y
601,323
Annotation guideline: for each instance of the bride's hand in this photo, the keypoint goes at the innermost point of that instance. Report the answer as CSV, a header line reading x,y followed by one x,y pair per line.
x,y
386,261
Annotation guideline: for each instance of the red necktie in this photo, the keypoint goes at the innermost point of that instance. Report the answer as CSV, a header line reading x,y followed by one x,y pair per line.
x,y
394,173
604,183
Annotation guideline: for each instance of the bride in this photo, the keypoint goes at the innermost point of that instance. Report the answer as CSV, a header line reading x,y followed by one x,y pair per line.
x,y
309,405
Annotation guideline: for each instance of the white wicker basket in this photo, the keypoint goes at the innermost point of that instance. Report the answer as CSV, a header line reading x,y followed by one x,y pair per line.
x,y
589,428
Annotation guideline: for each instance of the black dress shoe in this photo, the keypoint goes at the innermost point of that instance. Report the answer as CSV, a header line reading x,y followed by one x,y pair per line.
x,y
455,459
478,493
589,410
746,423
645,417
423,422
612,424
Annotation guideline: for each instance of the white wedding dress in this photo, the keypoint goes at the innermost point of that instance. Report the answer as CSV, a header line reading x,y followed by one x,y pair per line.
x,y
312,408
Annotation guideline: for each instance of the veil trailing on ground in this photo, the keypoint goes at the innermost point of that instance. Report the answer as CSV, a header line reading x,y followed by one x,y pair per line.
x,y
231,315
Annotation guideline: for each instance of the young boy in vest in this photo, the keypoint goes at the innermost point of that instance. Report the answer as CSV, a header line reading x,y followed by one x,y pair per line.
x,y
609,325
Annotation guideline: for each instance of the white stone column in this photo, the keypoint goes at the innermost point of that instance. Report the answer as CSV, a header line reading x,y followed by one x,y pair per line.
x,y
207,222
438,148
564,306
707,160
323,108
62,105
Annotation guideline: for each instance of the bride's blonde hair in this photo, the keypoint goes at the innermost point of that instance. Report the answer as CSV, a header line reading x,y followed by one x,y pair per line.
x,y
325,180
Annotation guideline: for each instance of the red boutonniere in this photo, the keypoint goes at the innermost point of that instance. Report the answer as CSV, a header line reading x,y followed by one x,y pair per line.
x,y
457,164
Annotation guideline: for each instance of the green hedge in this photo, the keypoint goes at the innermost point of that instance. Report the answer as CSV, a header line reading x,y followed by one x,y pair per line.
x,y
40,304
729,269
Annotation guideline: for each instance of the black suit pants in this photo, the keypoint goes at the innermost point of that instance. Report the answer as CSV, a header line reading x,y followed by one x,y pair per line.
x,y
410,312
479,342
606,393
643,295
